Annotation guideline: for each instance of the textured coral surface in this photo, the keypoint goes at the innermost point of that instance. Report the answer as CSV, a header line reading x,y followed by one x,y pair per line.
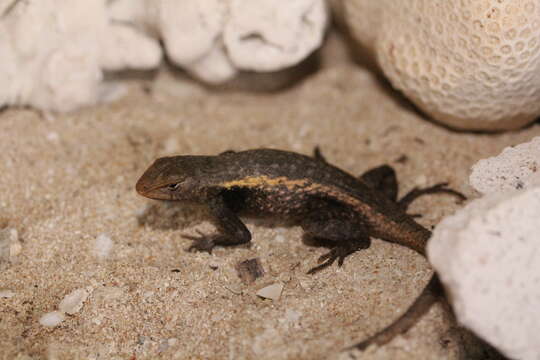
x,y
472,64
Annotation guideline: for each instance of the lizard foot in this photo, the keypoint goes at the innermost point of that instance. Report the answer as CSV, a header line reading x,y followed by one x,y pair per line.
x,y
338,253
437,188
202,242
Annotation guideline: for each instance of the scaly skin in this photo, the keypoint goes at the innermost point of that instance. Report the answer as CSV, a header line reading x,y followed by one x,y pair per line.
x,y
325,201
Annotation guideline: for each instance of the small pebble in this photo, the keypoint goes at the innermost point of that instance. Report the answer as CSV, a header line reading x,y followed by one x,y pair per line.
x,y
272,292
10,245
15,249
249,270
73,302
52,319
103,246
6,294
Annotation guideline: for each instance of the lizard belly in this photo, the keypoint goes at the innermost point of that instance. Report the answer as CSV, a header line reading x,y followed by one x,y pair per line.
x,y
279,201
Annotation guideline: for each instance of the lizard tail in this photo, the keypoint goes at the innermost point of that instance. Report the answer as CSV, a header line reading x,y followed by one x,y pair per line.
x,y
431,293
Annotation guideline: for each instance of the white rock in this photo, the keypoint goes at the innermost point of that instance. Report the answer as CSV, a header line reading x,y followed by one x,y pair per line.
x,y
488,257
214,68
103,246
190,28
214,39
272,292
515,168
74,301
52,319
269,35
53,52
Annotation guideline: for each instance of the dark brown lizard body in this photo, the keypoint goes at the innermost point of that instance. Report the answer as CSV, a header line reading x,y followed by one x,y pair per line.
x,y
325,201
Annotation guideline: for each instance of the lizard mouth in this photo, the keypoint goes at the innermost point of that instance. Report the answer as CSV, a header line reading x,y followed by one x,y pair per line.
x,y
155,192
151,190
143,188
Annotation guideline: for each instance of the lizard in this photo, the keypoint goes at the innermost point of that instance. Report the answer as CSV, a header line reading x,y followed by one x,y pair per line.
x,y
328,203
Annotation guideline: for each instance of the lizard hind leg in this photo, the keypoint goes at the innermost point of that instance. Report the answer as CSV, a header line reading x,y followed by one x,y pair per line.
x,y
347,236
383,179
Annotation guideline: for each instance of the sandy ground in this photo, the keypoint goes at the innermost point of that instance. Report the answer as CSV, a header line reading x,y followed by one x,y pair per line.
x,y
68,180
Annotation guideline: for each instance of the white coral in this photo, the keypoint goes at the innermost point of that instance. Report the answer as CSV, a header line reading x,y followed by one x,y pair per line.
x,y
53,52
472,64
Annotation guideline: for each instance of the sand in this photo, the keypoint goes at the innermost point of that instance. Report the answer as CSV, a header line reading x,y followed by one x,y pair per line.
x,y
67,188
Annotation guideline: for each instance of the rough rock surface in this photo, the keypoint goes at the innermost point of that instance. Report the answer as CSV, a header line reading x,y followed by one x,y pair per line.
x,y
54,53
488,257
517,167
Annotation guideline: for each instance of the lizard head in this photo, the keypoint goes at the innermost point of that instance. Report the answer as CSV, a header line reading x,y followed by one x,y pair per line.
x,y
173,178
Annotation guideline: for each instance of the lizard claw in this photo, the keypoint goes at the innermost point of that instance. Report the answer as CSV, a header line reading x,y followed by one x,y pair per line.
x,y
337,253
201,243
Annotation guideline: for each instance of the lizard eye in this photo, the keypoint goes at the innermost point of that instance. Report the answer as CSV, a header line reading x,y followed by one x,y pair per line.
x,y
173,187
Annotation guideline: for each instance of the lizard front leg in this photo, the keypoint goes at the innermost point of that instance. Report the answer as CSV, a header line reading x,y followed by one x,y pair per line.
x,y
231,230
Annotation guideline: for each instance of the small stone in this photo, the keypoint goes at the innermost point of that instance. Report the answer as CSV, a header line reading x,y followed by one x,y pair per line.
x,y
52,319
103,246
249,270
53,136
6,294
15,249
74,301
272,292
9,244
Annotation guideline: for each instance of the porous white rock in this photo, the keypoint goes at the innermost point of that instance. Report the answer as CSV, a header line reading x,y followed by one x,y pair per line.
x,y
488,257
214,39
516,167
53,53
268,35
191,32
471,64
